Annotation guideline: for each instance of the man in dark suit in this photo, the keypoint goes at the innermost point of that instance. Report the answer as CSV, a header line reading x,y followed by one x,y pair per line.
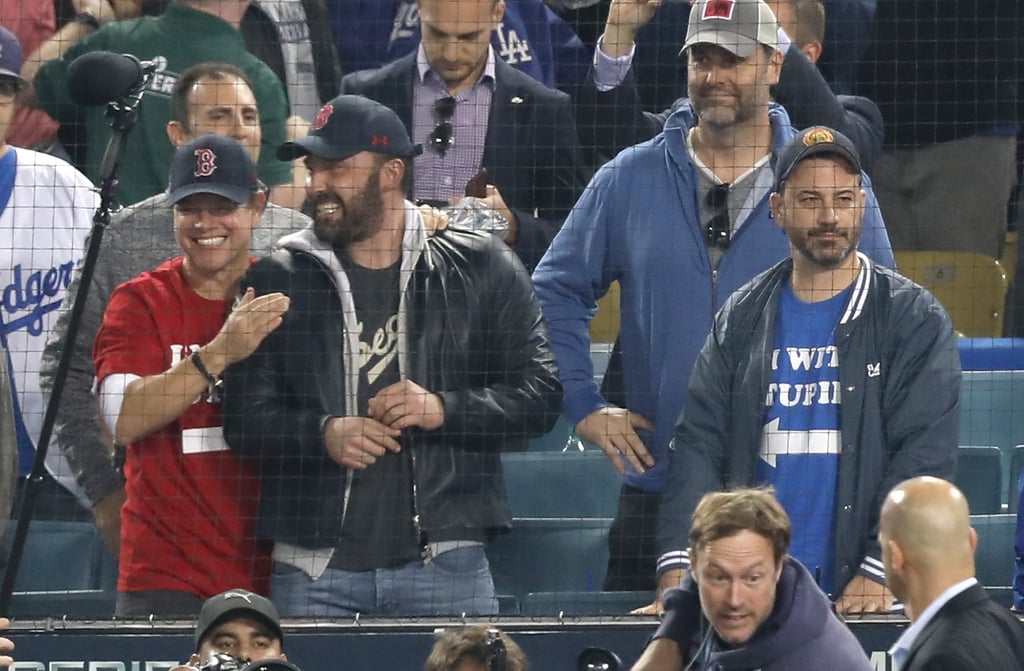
x,y
471,110
928,550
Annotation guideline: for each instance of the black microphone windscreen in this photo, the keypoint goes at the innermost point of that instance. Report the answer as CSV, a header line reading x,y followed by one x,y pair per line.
x,y
99,77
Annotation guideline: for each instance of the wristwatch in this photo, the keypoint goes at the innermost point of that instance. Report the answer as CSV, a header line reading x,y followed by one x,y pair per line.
x,y
87,18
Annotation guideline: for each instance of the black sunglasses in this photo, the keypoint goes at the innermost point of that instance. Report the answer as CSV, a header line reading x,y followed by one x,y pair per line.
x,y
719,228
440,139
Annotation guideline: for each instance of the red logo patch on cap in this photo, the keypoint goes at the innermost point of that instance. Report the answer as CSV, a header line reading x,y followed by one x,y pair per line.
x,y
323,117
718,9
206,162
818,136
380,140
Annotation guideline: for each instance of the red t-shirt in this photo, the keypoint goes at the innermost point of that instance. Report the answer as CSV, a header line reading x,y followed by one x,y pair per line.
x,y
188,521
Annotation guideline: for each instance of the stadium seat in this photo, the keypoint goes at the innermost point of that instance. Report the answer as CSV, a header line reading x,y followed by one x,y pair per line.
x,y
58,555
1001,595
508,605
584,603
561,484
555,440
994,557
550,555
979,475
88,604
1016,470
972,287
990,403
604,327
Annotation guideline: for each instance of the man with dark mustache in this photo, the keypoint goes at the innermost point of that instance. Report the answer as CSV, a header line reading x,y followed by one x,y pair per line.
x,y
827,377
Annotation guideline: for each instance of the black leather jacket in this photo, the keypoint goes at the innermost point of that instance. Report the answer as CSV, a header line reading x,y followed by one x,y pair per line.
x,y
471,331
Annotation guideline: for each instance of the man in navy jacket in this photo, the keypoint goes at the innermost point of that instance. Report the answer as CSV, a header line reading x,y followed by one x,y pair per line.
x,y
827,377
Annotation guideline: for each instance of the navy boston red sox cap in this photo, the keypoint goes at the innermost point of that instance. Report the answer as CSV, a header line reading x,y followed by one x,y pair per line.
x,y
214,164
348,125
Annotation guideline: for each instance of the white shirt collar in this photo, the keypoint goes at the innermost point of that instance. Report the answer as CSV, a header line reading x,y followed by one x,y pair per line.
x,y
901,648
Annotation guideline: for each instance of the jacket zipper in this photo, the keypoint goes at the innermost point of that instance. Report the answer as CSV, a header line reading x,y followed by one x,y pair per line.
x,y
417,520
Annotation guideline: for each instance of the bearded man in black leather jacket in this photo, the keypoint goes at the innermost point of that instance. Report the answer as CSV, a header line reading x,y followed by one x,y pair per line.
x,y
377,413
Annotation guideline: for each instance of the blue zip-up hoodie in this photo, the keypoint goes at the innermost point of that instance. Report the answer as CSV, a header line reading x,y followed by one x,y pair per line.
x,y
638,222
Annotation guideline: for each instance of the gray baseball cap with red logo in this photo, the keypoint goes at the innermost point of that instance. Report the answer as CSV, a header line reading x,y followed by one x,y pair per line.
x,y
348,125
736,25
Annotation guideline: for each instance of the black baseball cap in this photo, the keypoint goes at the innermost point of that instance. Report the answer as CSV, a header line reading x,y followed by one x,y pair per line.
x,y
214,164
814,141
348,125
236,603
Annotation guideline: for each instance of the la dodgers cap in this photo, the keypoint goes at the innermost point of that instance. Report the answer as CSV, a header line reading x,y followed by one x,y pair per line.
x,y
11,57
214,164
236,603
348,125
736,25
814,141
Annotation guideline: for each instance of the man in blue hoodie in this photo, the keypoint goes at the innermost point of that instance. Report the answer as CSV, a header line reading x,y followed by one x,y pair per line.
x,y
680,221
748,604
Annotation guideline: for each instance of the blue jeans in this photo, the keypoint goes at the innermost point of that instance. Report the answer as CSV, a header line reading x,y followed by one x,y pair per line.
x,y
452,583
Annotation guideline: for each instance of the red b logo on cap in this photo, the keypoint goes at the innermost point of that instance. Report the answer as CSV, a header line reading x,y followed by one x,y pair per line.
x,y
321,119
718,9
206,162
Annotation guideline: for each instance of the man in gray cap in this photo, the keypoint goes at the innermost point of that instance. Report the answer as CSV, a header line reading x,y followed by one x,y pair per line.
x,y
376,414
238,623
609,110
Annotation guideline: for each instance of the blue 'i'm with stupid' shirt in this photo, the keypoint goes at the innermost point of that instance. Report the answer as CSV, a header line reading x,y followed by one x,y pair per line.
x,y
801,440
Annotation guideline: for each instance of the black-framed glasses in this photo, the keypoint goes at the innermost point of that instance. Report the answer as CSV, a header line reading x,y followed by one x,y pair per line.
x,y
441,138
719,228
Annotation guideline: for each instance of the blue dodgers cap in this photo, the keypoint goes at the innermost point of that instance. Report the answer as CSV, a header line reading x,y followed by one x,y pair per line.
x,y
214,164
814,141
348,125
237,603
11,57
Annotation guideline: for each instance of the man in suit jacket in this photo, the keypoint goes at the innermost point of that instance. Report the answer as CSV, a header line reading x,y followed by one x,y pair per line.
x,y
928,550
471,110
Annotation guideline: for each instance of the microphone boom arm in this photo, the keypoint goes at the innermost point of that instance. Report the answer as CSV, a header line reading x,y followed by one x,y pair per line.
x,y
122,114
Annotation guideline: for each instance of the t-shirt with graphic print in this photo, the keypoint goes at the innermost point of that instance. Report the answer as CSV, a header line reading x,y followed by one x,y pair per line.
x,y
377,530
800,443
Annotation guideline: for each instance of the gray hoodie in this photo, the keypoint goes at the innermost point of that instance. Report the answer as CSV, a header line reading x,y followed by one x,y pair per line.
x,y
8,441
